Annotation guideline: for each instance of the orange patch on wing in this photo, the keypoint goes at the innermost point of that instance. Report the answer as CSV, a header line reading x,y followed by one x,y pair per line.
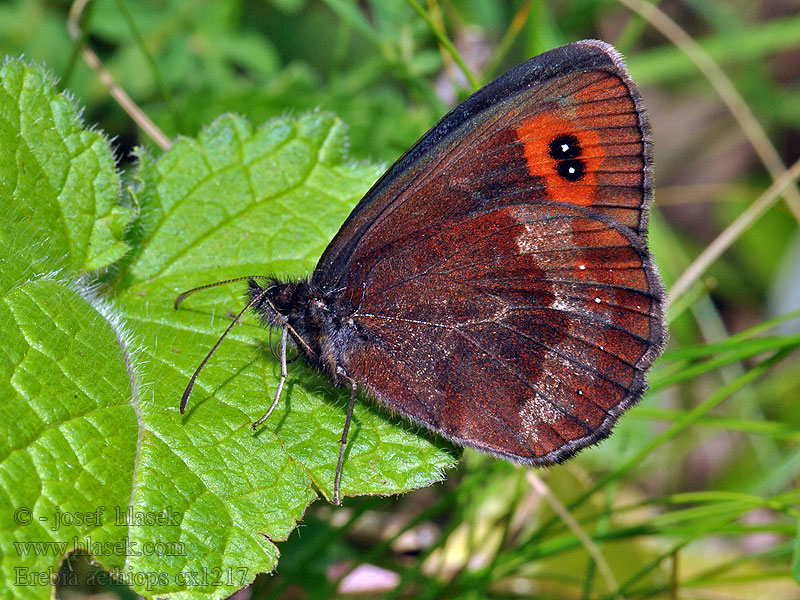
x,y
602,117
537,133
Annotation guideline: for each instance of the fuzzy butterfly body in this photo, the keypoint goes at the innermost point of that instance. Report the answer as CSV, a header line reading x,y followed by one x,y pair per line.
x,y
495,284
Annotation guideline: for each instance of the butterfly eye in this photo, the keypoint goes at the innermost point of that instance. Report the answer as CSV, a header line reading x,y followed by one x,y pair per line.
x,y
282,299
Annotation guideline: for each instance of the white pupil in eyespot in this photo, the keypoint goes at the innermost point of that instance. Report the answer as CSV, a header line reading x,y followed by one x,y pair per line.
x,y
564,147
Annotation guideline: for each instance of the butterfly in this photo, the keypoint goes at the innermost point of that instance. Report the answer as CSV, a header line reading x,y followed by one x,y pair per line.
x,y
495,285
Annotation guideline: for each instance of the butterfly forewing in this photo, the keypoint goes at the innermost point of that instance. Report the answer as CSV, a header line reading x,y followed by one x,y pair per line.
x,y
495,147
501,289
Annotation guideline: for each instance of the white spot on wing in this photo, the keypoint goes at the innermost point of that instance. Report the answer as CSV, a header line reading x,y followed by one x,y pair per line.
x,y
530,240
538,410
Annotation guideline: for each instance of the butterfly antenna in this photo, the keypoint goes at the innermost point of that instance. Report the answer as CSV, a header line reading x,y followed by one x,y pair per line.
x,y
188,391
188,293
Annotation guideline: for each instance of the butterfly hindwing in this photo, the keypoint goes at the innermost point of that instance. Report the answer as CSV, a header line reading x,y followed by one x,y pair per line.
x,y
542,323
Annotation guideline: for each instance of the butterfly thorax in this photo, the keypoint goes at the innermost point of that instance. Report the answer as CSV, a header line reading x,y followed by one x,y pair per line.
x,y
316,319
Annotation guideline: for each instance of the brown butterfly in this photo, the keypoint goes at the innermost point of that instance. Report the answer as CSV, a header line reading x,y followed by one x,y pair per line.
x,y
495,285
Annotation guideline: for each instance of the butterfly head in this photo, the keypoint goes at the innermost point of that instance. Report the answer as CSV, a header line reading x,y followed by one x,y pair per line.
x,y
315,320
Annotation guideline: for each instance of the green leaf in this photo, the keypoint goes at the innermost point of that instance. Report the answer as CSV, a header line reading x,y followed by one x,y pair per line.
x,y
64,376
72,448
58,175
92,386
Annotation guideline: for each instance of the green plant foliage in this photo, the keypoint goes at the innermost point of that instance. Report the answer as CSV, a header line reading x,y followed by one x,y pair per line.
x,y
92,375
694,495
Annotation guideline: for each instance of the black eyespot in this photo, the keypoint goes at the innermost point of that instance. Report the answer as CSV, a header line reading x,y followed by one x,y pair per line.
x,y
565,146
572,169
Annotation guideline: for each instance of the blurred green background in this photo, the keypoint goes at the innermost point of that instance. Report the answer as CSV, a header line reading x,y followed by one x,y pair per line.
x,y
695,494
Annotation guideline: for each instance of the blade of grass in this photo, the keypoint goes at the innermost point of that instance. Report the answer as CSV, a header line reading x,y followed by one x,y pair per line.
x,y
707,526
521,498
725,90
706,578
667,63
543,31
772,429
120,95
413,573
349,13
765,326
718,496
602,527
632,31
175,114
739,352
510,36
746,334
448,64
448,45
796,555
586,541
419,88
77,46
731,233
732,507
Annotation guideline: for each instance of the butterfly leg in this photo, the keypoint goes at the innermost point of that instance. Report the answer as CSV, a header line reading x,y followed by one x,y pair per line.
x,y
284,373
338,477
